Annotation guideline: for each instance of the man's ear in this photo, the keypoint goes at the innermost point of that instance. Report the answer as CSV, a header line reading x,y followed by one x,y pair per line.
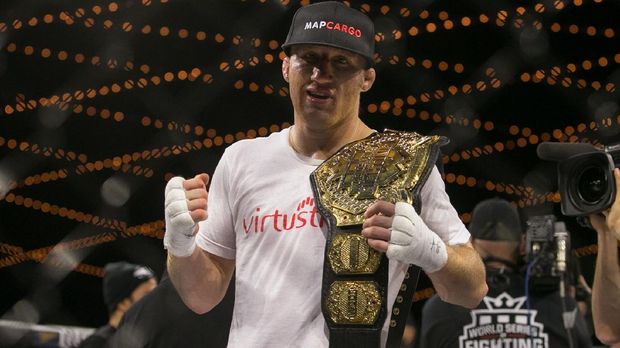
x,y
369,79
285,66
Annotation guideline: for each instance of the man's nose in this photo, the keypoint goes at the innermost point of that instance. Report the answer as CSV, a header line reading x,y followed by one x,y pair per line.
x,y
322,71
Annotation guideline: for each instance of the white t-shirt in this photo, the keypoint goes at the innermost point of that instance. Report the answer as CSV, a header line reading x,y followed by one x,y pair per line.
x,y
262,214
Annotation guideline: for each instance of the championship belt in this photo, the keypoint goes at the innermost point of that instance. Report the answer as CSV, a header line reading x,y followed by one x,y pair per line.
x,y
390,166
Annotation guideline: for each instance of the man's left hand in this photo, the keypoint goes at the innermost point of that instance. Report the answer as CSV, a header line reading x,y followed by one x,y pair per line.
x,y
400,232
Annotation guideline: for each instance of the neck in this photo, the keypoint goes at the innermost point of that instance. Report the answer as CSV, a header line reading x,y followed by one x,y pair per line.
x,y
115,318
322,143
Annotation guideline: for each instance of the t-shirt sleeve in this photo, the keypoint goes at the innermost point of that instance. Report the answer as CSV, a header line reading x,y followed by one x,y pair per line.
x,y
216,235
439,214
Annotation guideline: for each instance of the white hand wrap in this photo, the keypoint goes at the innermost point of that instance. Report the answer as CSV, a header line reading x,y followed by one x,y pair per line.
x,y
413,242
179,236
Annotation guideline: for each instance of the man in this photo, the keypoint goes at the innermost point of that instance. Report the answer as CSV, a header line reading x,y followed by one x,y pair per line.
x,y
123,285
262,219
503,319
606,287
161,320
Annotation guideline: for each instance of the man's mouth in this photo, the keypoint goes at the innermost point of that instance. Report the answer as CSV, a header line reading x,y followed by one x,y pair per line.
x,y
320,96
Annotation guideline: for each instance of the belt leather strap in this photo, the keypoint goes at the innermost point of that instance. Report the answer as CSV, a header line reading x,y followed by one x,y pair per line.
x,y
390,166
401,307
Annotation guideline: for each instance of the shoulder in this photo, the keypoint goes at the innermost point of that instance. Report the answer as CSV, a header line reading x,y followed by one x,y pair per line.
x,y
245,147
98,338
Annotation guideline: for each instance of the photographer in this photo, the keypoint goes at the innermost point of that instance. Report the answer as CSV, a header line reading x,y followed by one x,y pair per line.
x,y
507,317
589,185
606,287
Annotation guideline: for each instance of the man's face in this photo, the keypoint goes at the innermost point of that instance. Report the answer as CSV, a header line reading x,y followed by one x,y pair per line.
x,y
507,250
325,82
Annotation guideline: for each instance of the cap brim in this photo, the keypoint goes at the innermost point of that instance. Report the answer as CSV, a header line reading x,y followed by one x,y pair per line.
x,y
287,49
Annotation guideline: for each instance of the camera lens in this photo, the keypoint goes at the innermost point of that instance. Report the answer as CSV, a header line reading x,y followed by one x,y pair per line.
x,y
592,184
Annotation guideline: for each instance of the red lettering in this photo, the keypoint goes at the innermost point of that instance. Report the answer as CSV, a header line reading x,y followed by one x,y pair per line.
x,y
275,220
335,26
262,224
292,224
313,218
301,219
247,228
285,222
253,221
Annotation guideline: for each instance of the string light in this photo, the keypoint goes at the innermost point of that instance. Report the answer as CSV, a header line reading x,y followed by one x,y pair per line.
x,y
195,74
425,97
568,134
123,163
46,151
424,23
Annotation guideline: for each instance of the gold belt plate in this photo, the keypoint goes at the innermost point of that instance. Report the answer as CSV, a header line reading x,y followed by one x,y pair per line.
x,y
385,166
349,253
354,302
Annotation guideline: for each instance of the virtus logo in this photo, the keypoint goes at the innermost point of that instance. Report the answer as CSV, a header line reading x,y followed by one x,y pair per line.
x,y
277,220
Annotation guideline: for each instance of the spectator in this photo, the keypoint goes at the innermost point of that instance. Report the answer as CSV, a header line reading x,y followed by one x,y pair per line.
x,y
123,285
503,319
161,320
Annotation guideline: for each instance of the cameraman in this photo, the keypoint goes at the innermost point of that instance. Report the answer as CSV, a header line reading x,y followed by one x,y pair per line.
x,y
506,317
606,287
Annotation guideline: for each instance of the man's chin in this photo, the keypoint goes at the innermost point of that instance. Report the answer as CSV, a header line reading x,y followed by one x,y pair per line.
x,y
318,112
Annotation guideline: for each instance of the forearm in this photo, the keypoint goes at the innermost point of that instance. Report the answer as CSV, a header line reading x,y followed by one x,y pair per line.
x,y
462,281
200,279
606,291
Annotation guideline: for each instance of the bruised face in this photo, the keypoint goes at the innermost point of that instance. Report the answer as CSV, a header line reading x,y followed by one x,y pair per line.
x,y
507,250
325,83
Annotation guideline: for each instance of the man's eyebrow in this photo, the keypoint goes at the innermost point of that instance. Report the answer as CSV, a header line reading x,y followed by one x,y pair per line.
x,y
348,56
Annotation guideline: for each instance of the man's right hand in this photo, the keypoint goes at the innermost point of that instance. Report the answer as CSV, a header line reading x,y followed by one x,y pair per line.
x,y
613,218
609,221
185,206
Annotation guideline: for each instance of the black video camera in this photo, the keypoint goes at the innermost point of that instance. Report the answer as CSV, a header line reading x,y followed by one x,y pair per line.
x,y
585,175
546,254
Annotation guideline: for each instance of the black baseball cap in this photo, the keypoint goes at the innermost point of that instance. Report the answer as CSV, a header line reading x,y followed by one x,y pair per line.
x,y
332,23
120,279
495,220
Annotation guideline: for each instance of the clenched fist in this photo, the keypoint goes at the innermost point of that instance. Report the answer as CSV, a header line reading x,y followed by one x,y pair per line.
x,y
399,232
185,206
